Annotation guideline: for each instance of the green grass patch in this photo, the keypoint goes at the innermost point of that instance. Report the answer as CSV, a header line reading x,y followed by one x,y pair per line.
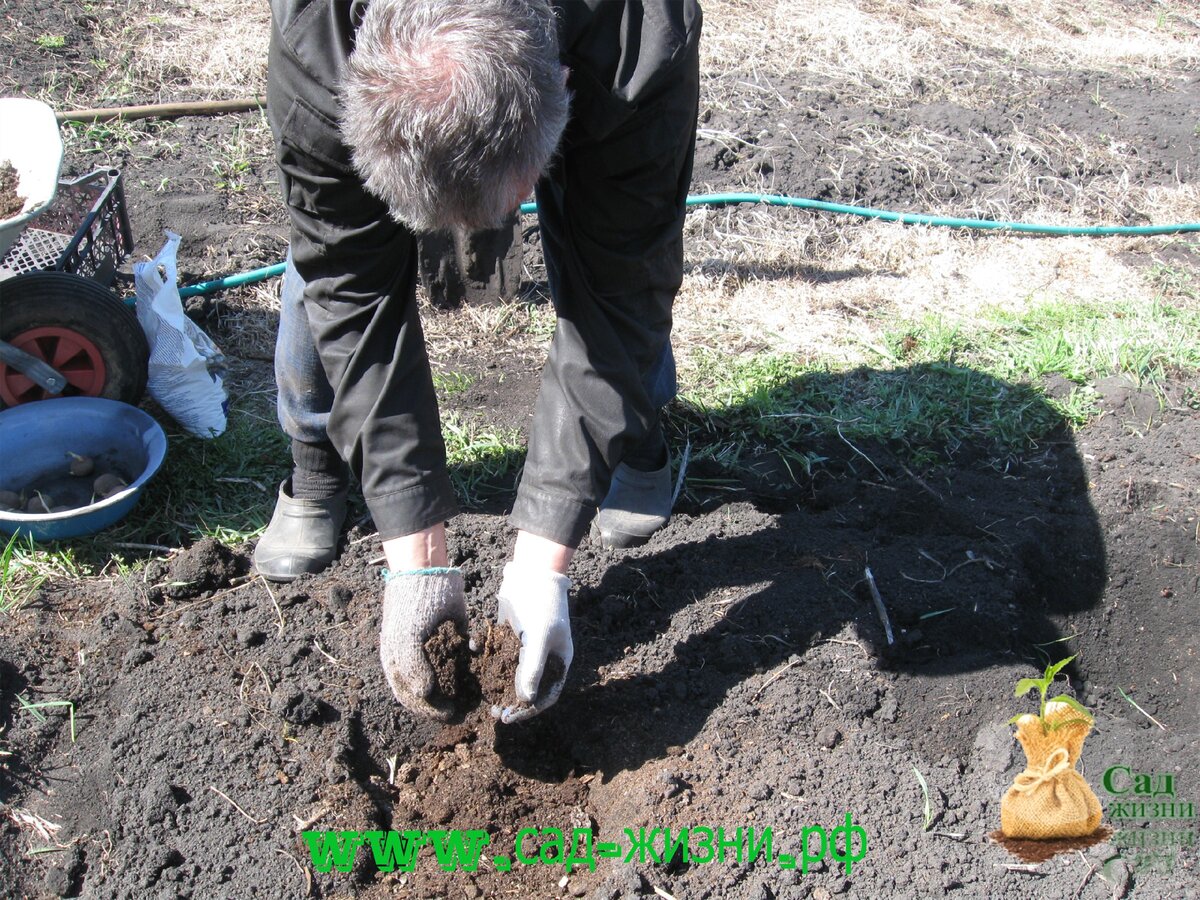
x,y
730,406
232,168
541,319
119,135
447,384
929,410
1078,341
483,459
934,386
1173,282
20,578
223,488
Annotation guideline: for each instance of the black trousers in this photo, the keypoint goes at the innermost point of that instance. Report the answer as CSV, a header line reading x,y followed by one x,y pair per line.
x,y
611,211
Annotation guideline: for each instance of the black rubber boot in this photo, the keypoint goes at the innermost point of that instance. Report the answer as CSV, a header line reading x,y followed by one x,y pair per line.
x,y
637,505
302,537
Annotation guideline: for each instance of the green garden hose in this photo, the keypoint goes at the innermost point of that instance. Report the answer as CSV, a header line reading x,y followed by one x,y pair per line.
x,y
920,219
255,275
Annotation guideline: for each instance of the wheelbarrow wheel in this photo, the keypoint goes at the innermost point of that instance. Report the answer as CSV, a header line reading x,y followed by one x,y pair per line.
x,y
76,326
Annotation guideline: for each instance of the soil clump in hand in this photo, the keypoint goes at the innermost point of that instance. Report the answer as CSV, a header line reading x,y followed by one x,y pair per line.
x,y
479,774
497,668
449,654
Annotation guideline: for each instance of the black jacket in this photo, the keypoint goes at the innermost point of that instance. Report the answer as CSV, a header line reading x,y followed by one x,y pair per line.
x,y
611,213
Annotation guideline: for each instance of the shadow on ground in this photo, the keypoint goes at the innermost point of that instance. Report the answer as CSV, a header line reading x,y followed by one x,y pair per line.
x,y
978,552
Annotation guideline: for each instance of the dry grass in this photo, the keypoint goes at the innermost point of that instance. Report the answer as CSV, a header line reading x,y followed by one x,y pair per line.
x,y
886,273
187,48
881,48
836,43
519,329
829,285
873,48
779,278
122,52
820,285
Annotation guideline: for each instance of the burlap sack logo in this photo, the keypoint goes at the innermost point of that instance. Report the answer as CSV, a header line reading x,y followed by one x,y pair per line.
x,y
1050,800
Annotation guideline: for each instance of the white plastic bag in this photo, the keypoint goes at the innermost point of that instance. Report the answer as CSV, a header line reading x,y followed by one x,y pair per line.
x,y
187,371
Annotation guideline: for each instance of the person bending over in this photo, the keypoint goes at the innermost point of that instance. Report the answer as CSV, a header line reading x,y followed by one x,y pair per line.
x,y
397,117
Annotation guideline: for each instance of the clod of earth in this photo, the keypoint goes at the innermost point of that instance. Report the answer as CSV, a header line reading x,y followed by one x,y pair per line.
x,y
11,202
10,500
829,737
449,654
39,503
498,679
462,678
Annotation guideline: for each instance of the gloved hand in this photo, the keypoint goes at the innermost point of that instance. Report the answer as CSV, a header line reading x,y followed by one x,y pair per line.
x,y
533,602
414,605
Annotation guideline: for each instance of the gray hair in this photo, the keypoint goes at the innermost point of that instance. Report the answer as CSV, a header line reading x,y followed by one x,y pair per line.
x,y
449,106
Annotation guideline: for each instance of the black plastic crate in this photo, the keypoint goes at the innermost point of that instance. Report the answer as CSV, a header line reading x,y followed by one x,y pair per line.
x,y
85,231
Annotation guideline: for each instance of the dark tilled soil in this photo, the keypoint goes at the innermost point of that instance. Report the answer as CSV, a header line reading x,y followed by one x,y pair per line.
x,y
821,145
734,672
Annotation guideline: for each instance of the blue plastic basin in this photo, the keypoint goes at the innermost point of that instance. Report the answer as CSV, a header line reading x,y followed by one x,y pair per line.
x,y
35,439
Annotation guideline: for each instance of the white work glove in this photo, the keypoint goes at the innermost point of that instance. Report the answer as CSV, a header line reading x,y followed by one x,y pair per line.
x,y
533,602
414,605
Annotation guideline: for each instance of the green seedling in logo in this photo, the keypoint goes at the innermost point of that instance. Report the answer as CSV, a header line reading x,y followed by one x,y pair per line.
x,y
1025,685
